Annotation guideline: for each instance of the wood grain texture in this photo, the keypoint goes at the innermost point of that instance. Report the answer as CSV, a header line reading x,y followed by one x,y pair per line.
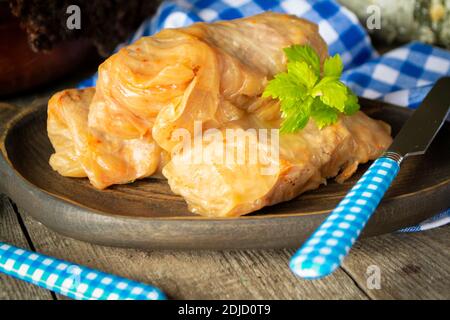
x,y
11,232
249,274
146,214
412,265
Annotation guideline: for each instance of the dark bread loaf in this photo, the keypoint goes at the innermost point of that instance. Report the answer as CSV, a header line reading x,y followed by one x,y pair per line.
x,y
21,68
104,23
36,46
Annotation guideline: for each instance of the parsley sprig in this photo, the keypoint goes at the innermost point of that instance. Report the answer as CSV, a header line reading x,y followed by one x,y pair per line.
x,y
307,91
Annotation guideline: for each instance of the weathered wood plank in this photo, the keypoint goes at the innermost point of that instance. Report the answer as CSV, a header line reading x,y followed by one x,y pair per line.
x,y
11,232
250,274
413,266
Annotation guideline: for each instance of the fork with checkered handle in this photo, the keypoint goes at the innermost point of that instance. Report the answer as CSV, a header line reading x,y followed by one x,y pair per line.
x,y
325,250
71,280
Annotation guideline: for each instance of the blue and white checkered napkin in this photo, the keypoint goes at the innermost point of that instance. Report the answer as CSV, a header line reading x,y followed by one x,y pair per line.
x,y
71,280
403,76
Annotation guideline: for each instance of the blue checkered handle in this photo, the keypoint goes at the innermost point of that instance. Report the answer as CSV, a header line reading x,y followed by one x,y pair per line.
x,y
71,280
324,251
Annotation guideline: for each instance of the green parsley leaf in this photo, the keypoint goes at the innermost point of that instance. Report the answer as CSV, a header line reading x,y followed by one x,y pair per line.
x,y
351,105
300,72
296,114
305,91
322,114
332,67
332,92
284,87
288,106
304,54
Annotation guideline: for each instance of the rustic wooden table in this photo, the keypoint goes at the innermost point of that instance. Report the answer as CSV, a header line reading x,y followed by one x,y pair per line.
x,y
413,266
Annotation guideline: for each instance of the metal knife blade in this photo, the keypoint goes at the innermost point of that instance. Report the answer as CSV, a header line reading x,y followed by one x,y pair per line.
x,y
419,131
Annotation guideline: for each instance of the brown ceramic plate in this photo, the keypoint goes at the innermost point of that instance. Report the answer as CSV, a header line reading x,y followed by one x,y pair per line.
x,y
146,214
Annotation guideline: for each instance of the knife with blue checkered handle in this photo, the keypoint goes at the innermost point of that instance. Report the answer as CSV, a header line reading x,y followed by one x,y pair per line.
x,y
325,250
71,280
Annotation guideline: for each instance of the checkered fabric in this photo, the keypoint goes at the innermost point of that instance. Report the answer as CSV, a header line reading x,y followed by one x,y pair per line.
x,y
71,280
324,251
403,76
